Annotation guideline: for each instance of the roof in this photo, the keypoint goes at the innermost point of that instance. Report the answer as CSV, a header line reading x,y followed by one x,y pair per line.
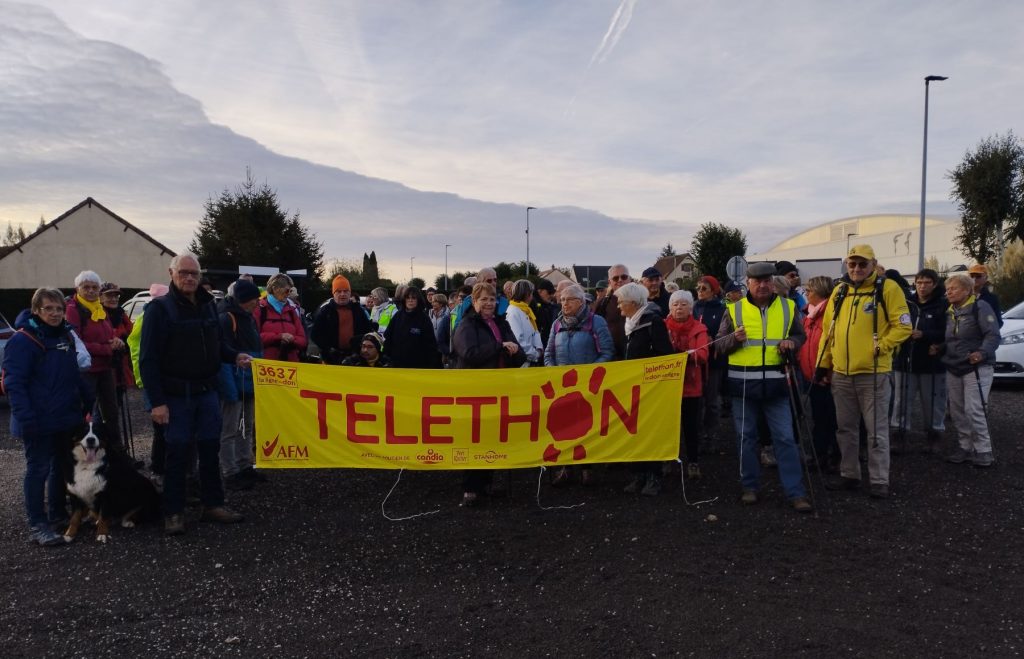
x,y
590,274
666,264
856,225
90,202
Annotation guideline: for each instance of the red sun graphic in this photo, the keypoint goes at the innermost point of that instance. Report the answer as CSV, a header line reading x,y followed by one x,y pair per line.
x,y
571,415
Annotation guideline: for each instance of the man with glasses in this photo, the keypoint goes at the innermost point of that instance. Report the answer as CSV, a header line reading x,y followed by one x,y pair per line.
x,y
608,307
868,318
979,275
179,358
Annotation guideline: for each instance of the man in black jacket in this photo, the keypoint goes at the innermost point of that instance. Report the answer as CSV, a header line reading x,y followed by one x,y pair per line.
x,y
179,358
340,323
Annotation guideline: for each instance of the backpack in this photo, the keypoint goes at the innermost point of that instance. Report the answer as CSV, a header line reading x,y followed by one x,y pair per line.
x,y
587,326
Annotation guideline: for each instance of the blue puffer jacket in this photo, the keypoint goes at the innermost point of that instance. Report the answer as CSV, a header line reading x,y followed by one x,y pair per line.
x,y
42,380
589,342
240,332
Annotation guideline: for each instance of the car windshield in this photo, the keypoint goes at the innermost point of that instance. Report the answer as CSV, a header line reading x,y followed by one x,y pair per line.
x,y
1016,313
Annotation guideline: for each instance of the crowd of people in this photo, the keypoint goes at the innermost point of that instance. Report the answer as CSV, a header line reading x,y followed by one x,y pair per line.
x,y
860,351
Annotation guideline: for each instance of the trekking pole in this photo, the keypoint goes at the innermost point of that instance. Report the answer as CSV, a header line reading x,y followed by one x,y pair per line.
x,y
121,406
797,410
981,392
908,366
874,359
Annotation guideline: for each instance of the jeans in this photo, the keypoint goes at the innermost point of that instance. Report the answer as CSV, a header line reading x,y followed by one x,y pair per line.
x,y
780,422
712,401
823,412
689,428
193,417
236,435
44,482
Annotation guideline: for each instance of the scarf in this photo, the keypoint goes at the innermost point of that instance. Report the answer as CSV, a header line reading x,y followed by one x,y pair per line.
x,y
274,302
525,308
632,321
96,311
679,332
580,317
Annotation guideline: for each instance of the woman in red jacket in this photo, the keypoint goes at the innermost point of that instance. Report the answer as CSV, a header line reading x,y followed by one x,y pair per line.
x,y
86,315
279,323
689,334
823,408
110,297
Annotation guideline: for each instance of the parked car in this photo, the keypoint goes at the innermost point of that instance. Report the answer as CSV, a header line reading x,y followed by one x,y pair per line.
x,y
1010,353
133,307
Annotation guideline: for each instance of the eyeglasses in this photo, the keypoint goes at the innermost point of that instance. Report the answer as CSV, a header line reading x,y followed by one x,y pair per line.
x,y
856,264
620,277
52,309
194,274
570,300
703,287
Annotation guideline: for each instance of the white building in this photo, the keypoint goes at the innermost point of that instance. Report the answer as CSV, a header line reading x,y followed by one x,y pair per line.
x,y
895,239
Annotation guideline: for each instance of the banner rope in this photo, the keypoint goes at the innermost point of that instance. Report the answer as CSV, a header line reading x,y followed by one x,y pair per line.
x,y
682,482
401,519
540,478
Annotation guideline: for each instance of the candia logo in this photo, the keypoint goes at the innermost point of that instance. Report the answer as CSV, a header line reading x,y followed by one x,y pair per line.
x,y
274,450
430,457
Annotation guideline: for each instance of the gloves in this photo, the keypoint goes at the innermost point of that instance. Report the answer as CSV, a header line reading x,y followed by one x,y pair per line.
x,y
820,375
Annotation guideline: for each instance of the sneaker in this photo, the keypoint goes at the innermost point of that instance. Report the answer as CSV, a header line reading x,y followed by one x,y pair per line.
x,y
693,471
250,474
768,457
652,487
983,459
238,483
749,497
842,483
879,491
802,505
44,536
174,524
221,515
634,486
958,456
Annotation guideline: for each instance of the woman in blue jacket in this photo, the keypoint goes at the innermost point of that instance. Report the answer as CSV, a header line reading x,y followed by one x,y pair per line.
x,y
46,394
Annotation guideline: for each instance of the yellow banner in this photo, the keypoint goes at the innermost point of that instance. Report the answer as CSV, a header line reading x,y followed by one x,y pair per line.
x,y
308,415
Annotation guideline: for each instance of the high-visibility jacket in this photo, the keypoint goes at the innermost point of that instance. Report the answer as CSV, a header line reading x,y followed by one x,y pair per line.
x,y
849,348
758,357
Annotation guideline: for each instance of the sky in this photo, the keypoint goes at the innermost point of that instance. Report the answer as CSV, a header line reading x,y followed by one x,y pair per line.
x,y
627,123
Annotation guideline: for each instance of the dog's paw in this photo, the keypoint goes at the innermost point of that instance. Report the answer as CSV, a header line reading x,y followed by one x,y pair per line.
x,y
128,524
102,538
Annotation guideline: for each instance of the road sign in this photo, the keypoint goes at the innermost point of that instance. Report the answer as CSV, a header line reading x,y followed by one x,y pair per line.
x,y
736,269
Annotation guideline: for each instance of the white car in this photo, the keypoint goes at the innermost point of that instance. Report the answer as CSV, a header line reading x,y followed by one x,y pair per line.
x,y
1010,353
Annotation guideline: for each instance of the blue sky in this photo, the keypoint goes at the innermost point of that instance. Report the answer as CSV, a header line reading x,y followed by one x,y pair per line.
x,y
763,115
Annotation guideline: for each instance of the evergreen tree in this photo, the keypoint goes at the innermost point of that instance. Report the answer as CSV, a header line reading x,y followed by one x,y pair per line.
x,y
667,250
247,226
12,236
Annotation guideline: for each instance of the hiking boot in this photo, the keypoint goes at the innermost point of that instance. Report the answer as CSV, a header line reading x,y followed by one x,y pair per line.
x,y
879,491
652,487
959,456
768,457
842,483
221,515
44,536
749,497
983,459
693,471
802,505
238,483
634,485
174,524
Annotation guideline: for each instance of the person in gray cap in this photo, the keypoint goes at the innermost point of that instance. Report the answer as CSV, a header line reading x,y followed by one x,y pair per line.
x,y
757,333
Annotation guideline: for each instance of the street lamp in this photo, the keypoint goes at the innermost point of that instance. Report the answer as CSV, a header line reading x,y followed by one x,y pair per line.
x,y
924,167
528,209
411,275
446,267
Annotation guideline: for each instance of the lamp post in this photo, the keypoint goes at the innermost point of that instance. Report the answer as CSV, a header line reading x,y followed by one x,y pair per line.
x,y
446,267
411,275
924,167
528,209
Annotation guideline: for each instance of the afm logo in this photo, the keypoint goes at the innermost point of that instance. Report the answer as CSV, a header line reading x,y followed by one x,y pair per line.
x,y
430,457
276,451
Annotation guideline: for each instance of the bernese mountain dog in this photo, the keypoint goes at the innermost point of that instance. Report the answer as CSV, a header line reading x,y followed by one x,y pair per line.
x,y
104,485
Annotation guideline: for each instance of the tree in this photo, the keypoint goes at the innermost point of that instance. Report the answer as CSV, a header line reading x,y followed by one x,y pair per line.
x,y
455,280
360,280
713,245
988,187
247,226
1008,275
418,283
667,250
12,236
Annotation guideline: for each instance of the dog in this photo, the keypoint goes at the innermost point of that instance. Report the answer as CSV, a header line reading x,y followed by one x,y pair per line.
x,y
104,485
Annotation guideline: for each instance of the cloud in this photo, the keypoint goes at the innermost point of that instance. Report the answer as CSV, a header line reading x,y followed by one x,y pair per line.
x,y
620,21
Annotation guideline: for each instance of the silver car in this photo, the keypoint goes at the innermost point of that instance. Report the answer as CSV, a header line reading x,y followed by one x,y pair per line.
x,y
1010,353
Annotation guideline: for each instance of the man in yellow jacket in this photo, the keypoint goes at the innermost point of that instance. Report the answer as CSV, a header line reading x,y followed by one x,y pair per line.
x,y
867,319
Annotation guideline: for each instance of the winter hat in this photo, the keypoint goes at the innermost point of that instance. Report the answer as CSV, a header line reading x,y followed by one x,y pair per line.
x,y
732,286
711,281
245,291
340,283
375,339
784,267
108,287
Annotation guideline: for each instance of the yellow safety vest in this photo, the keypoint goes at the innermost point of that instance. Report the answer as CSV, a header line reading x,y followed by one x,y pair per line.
x,y
758,357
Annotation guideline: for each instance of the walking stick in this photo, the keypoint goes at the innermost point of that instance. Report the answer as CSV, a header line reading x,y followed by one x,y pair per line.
x,y
797,410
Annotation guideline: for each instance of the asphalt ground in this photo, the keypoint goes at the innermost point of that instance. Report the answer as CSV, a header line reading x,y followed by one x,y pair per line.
x,y
317,571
